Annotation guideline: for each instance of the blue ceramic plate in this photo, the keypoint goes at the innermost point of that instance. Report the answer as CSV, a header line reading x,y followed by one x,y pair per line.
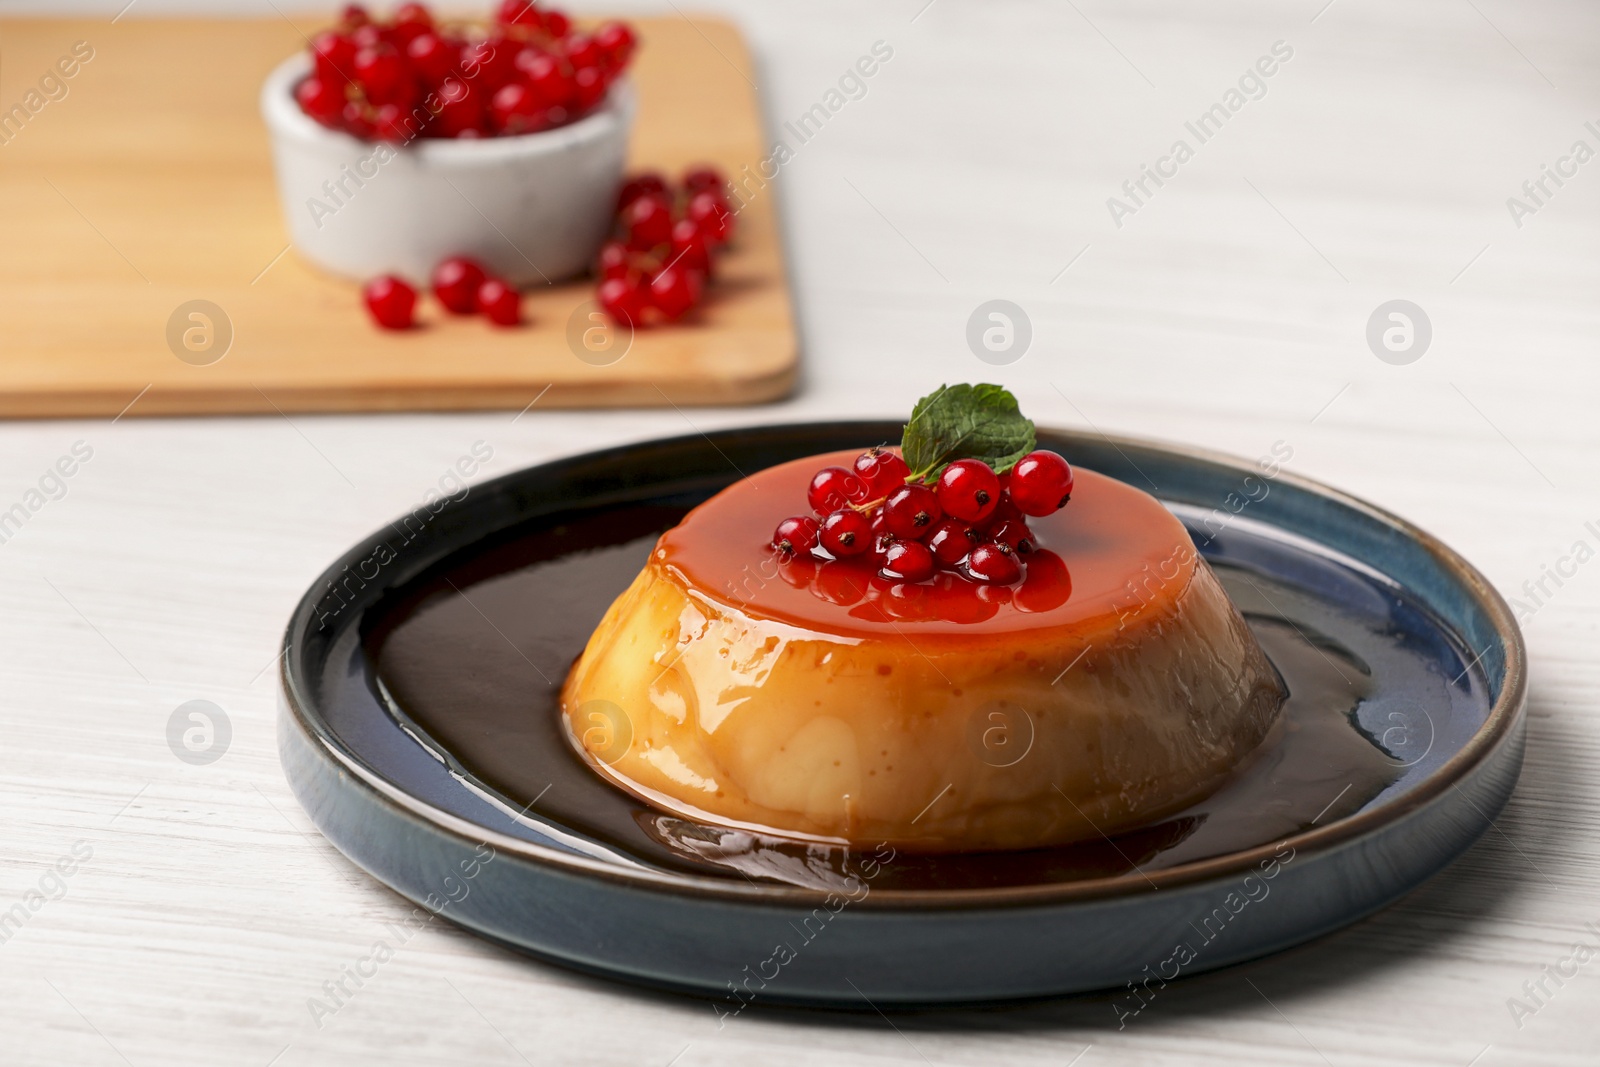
x,y
1404,737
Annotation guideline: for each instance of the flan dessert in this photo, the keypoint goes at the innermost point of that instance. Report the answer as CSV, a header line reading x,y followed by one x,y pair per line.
x,y
743,682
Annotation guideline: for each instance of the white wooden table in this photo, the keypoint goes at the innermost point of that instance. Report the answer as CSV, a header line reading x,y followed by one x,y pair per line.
x,y
1229,310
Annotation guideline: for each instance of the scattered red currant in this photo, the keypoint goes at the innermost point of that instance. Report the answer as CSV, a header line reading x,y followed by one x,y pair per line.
x,y
455,283
646,182
704,179
624,300
499,302
613,261
912,512
648,221
391,301
674,290
846,532
1040,483
689,247
995,563
711,212
969,490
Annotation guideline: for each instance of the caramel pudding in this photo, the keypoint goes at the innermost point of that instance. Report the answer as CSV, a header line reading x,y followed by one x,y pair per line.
x,y
1114,685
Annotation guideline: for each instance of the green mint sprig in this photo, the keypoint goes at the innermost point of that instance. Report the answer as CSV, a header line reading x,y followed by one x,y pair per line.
x,y
965,422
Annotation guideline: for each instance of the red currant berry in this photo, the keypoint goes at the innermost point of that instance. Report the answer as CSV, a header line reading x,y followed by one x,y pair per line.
x,y
994,563
969,490
499,302
491,63
410,22
912,512
951,541
624,300
391,302
461,112
431,57
647,182
545,75
323,101
796,535
391,123
616,43
369,35
882,470
908,561
581,51
846,533
882,541
1013,533
613,262
1041,483
588,87
705,179
381,73
517,13
556,23
412,14
834,487
455,283
675,290
516,109
648,222
354,16
334,57
710,210
355,121
689,248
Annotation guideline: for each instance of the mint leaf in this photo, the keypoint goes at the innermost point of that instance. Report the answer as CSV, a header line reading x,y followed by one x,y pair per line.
x,y
965,422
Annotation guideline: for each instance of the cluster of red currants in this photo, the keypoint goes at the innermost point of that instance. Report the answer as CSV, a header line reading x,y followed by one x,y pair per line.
x,y
664,242
462,285
970,520
415,77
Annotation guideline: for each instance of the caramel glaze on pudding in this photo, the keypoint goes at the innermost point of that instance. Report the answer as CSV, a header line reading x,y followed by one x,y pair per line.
x,y
1115,685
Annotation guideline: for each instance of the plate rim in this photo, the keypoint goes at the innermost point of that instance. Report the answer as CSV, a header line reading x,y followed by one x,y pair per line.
x,y
1498,727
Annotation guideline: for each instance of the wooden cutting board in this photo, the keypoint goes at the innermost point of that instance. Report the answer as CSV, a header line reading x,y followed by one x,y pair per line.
x,y
149,185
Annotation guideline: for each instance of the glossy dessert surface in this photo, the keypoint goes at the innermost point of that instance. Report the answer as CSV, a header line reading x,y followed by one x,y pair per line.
x,y
1114,685
1112,551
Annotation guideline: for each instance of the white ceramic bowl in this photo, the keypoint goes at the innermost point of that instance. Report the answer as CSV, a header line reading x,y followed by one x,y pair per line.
x,y
532,208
